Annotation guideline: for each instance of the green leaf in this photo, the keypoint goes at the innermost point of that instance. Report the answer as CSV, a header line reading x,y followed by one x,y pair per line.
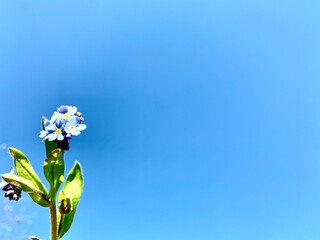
x,y
50,145
73,189
54,170
25,170
27,186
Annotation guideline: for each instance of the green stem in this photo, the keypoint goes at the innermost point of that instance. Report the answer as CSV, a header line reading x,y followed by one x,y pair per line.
x,y
53,219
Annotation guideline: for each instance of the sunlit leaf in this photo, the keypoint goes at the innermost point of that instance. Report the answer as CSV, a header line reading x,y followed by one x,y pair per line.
x,y
27,186
72,188
25,170
54,170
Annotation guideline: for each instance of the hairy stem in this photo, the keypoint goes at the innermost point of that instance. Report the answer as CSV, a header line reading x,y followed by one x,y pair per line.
x,y
53,219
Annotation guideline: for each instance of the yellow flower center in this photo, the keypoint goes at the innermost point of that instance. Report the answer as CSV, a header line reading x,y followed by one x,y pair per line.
x,y
58,131
66,116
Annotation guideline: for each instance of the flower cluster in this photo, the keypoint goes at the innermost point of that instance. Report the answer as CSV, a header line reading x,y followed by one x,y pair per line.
x,y
64,123
12,192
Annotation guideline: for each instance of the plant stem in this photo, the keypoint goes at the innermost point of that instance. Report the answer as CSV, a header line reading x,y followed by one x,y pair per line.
x,y
53,219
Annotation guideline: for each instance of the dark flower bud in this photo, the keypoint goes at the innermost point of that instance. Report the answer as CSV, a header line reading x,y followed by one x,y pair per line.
x,y
68,136
79,114
65,204
63,144
12,192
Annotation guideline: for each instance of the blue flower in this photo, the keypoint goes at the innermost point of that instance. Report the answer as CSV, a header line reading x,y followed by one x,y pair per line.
x,y
44,132
64,112
63,124
74,126
54,131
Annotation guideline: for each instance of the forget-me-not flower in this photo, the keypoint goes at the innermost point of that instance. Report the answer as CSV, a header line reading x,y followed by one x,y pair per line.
x,y
55,131
74,126
64,112
63,124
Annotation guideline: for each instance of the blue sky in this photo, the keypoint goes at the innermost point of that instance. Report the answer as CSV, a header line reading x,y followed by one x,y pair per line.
x,y
203,116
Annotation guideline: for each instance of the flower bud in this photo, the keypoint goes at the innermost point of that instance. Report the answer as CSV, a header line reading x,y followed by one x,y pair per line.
x,y
12,192
65,204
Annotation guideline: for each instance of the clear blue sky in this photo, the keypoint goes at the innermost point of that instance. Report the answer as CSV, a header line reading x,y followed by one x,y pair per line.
x,y
203,116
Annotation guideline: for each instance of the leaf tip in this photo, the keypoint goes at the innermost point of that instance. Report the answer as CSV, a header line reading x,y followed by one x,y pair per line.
x,y
77,163
11,150
34,238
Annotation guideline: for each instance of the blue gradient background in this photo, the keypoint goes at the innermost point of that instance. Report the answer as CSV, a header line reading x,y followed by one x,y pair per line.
x,y
203,116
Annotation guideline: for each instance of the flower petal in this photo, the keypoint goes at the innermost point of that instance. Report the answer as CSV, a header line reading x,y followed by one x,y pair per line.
x,y
51,137
81,127
60,137
43,133
75,133
72,110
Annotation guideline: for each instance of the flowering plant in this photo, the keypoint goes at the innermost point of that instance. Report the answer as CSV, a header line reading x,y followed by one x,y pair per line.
x,y
61,201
